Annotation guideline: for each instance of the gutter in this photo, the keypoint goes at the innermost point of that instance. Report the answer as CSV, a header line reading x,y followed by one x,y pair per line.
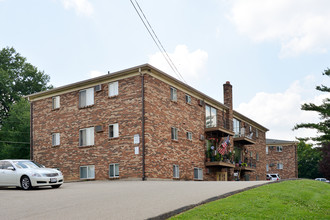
x,y
31,130
143,126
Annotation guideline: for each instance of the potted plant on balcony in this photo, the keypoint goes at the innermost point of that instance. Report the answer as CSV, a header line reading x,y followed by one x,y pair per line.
x,y
244,164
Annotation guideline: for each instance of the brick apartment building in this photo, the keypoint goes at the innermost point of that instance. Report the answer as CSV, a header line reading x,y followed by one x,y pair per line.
x,y
281,158
141,123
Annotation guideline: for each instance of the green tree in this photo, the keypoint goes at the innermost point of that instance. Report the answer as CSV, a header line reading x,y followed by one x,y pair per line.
x,y
308,161
323,127
16,132
17,78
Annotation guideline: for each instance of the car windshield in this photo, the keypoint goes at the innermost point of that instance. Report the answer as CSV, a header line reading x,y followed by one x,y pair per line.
x,y
27,164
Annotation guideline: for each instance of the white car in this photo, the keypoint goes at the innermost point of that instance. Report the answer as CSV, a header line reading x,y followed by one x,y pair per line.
x,y
273,176
28,174
323,180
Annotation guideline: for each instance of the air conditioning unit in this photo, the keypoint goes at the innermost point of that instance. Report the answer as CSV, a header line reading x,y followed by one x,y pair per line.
x,y
98,128
201,137
200,102
98,88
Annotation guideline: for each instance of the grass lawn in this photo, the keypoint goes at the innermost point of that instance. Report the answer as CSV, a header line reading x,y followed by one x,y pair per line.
x,y
296,199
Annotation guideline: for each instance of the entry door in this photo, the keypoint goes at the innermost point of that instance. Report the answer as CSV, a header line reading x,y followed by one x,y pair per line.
x,y
222,176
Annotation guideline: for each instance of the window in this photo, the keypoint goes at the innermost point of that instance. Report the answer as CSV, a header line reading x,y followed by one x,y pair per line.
x,y
56,102
55,139
114,170
87,172
174,133
189,135
251,154
176,171
257,135
188,99
86,97
86,136
257,156
210,116
279,148
113,89
113,130
236,126
173,94
280,166
267,167
198,173
266,149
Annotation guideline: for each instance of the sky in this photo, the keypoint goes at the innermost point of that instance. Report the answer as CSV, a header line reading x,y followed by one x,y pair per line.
x,y
272,52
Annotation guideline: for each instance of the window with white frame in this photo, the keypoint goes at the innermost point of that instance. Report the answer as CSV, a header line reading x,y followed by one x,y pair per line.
x,y
279,148
189,135
266,149
236,126
210,116
251,154
114,170
113,130
56,102
257,156
257,132
198,173
86,136
188,99
87,172
55,139
176,171
267,167
174,96
280,166
113,89
86,97
174,133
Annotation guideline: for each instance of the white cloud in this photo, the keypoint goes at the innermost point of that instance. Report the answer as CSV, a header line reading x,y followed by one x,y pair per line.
x,y
95,73
190,64
279,112
299,26
82,7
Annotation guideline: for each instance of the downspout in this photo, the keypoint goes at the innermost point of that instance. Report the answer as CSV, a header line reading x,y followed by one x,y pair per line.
x,y
143,126
31,130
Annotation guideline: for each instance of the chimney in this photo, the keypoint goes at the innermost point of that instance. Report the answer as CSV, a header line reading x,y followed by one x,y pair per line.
x,y
228,101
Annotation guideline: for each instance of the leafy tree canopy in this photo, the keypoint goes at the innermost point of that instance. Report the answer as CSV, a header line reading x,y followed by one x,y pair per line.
x,y
17,78
308,161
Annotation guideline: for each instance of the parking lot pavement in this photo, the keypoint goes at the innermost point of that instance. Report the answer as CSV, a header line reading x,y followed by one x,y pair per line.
x,y
111,199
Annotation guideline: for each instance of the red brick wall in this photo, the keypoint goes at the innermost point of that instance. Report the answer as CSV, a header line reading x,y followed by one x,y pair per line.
x,y
124,109
162,114
288,157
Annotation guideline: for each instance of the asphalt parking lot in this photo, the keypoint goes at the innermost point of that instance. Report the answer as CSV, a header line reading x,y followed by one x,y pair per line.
x,y
111,199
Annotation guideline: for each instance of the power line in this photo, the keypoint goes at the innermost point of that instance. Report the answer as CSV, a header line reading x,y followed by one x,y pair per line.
x,y
157,42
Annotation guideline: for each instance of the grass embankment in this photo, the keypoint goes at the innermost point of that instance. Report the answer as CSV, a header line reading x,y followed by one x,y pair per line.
x,y
297,199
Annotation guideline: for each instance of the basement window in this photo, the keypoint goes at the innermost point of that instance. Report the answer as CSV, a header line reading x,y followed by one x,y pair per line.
x,y
87,172
114,170
198,173
176,171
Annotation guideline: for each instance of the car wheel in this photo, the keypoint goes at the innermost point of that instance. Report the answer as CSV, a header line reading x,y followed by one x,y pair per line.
x,y
56,186
26,183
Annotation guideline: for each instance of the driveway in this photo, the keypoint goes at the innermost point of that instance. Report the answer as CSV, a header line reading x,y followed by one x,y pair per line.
x,y
111,199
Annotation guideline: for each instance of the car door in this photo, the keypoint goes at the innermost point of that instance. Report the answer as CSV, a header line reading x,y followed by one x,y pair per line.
x,y
2,175
9,176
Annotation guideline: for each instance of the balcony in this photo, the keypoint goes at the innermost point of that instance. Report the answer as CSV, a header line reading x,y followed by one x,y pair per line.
x,y
219,129
220,164
249,165
244,138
